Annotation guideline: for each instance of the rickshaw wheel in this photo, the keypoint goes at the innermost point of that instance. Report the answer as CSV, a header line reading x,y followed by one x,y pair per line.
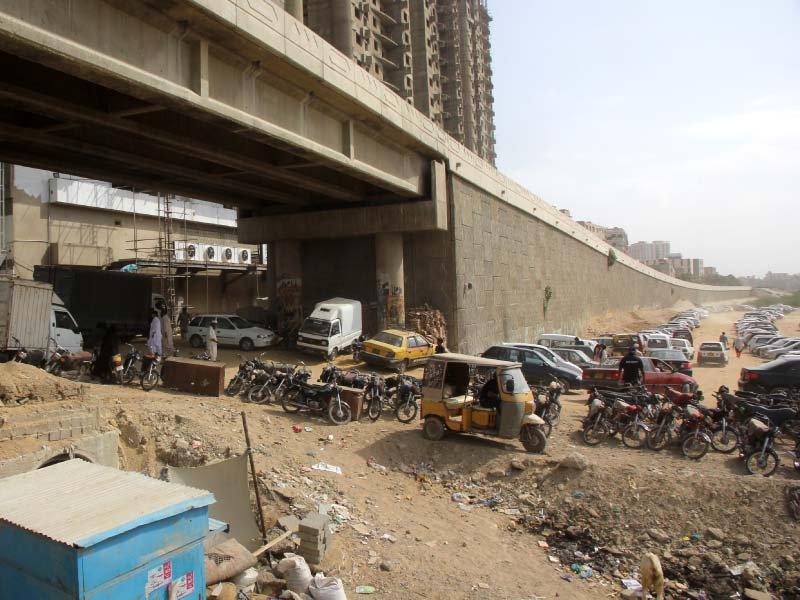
x,y
433,428
533,438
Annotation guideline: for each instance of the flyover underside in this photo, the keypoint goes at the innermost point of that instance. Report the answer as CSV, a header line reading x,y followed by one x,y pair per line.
x,y
147,102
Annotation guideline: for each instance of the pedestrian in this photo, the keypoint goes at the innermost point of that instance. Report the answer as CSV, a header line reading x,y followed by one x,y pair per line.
x,y
631,368
183,323
99,334
637,349
724,339
154,339
167,341
603,353
211,341
596,352
109,347
738,345
440,349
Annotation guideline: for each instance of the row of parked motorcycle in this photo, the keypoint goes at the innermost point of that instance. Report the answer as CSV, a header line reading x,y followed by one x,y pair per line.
x,y
268,382
748,422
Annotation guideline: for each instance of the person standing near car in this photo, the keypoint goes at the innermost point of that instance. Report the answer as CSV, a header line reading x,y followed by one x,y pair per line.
x,y
738,345
211,341
631,368
724,340
440,349
154,339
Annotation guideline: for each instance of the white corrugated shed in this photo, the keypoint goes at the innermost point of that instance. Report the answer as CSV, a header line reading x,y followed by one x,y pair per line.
x,y
80,503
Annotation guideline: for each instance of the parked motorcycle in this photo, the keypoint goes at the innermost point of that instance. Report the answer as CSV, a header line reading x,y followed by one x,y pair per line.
x,y
548,405
375,396
694,439
21,355
758,447
62,360
242,378
130,365
408,393
272,382
151,371
322,399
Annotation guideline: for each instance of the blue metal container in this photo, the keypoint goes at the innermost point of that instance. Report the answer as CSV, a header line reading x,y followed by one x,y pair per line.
x,y
81,531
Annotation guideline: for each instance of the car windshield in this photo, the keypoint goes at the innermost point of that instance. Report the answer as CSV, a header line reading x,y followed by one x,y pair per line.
x,y
240,323
711,346
384,337
316,327
515,375
579,355
669,355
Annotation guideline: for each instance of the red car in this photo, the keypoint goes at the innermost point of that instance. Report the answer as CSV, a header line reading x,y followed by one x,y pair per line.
x,y
657,376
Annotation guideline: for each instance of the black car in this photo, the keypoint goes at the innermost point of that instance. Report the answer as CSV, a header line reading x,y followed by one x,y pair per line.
x,y
674,358
580,358
536,368
782,374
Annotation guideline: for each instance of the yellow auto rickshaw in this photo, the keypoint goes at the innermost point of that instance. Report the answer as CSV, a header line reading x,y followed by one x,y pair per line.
x,y
470,394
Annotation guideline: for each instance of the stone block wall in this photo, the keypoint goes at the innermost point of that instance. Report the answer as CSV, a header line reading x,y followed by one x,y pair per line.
x,y
505,259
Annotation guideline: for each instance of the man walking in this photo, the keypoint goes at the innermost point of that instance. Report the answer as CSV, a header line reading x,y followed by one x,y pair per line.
x,y
631,368
211,341
183,323
724,339
738,345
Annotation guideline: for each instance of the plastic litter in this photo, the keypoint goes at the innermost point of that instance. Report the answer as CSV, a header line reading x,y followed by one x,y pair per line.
x,y
631,584
365,589
246,580
326,467
326,588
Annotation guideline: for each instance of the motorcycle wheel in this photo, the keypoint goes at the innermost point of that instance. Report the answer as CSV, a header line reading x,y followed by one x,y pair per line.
x,y
657,438
288,401
594,433
234,387
375,409
407,411
766,465
149,380
694,447
634,436
554,415
533,438
725,441
548,427
127,376
257,394
339,412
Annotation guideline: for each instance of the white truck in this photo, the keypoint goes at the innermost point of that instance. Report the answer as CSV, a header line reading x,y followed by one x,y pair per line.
x,y
333,326
30,317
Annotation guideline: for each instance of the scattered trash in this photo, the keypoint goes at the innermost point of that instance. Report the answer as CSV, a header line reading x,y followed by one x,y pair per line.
x,y
297,428
326,588
389,537
326,467
543,544
631,584
578,495
371,462
553,559
308,429
365,589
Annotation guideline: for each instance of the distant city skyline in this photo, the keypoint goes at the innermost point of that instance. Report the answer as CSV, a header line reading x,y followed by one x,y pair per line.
x,y
676,121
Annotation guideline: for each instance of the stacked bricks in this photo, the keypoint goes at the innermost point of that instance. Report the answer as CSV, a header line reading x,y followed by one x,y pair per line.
x,y
50,425
315,537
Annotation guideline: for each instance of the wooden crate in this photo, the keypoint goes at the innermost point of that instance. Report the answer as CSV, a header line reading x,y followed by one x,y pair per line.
x,y
194,376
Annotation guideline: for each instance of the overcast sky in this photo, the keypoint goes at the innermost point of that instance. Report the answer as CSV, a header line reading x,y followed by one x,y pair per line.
x,y
676,120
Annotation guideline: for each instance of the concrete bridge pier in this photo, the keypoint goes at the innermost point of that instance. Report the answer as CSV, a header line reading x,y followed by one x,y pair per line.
x,y
390,277
289,278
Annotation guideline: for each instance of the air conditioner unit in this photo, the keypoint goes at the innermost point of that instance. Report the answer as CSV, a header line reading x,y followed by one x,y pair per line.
x,y
229,255
245,255
211,253
192,251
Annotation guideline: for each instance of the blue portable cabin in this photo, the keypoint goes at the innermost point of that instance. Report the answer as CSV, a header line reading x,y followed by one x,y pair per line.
x,y
79,531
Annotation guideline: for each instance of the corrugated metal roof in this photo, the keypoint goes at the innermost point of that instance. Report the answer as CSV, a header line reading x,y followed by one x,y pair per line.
x,y
80,504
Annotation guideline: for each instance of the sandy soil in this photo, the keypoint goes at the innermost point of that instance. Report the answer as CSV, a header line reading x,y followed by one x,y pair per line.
x,y
434,549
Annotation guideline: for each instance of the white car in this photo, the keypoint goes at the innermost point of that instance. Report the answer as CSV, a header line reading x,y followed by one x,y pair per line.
x,y
712,353
684,346
232,330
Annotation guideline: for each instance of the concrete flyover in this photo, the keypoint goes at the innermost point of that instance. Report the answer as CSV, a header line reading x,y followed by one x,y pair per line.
x,y
359,194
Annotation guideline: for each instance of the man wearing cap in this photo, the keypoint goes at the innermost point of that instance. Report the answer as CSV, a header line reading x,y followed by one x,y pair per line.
x,y
211,341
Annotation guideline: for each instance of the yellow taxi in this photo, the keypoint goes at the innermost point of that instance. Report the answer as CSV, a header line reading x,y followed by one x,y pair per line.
x,y
396,348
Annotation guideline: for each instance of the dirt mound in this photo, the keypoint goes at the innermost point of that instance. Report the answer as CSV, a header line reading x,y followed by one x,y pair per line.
x,y
20,383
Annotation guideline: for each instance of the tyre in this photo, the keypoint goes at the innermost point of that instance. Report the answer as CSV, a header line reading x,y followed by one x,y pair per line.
x,y
375,408
259,394
634,436
554,415
407,410
657,438
694,446
127,376
533,438
565,387
196,341
765,465
433,428
246,344
548,428
288,401
594,433
725,441
339,412
234,387
333,354
149,380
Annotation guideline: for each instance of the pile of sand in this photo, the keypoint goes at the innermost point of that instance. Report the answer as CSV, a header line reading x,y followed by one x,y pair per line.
x,y
20,383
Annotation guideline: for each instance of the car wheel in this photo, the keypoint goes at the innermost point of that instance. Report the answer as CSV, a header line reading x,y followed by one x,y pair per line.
x,y
196,341
433,428
246,344
333,354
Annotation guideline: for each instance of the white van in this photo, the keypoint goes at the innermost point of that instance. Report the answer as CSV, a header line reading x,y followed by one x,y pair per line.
x,y
332,327
558,340
64,330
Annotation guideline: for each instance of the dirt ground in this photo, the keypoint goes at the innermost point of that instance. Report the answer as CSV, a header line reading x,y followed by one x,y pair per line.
x,y
454,519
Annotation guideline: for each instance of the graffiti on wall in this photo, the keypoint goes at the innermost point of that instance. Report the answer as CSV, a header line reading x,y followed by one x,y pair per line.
x,y
391,303
289,294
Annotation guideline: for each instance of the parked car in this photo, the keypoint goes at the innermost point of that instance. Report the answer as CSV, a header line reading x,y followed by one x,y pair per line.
x,y
232,330
683,334
576,357
793,344
623,341
657,341
712,353
549,355
536,368
397,348
684,346
558,340
674,358
780,375
333,326
657,376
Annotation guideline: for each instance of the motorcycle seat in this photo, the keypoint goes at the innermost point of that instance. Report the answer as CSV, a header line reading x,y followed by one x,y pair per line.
x,y
777,416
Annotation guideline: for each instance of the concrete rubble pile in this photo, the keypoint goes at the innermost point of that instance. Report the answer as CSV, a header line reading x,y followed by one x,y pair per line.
x,y
427,321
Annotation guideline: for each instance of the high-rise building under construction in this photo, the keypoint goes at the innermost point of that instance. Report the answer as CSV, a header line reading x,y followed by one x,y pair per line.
x,y
433,53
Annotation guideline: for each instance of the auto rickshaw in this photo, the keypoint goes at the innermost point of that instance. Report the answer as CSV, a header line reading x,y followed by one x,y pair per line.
x,y
470,394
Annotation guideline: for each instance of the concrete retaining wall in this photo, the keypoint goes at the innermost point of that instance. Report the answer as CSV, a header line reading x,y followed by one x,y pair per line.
x,y
506,258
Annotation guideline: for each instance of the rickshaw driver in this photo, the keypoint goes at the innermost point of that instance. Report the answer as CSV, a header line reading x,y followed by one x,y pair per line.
x,y
489,396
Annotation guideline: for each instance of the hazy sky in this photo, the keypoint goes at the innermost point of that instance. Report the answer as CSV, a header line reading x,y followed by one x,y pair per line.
x,y
677,120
